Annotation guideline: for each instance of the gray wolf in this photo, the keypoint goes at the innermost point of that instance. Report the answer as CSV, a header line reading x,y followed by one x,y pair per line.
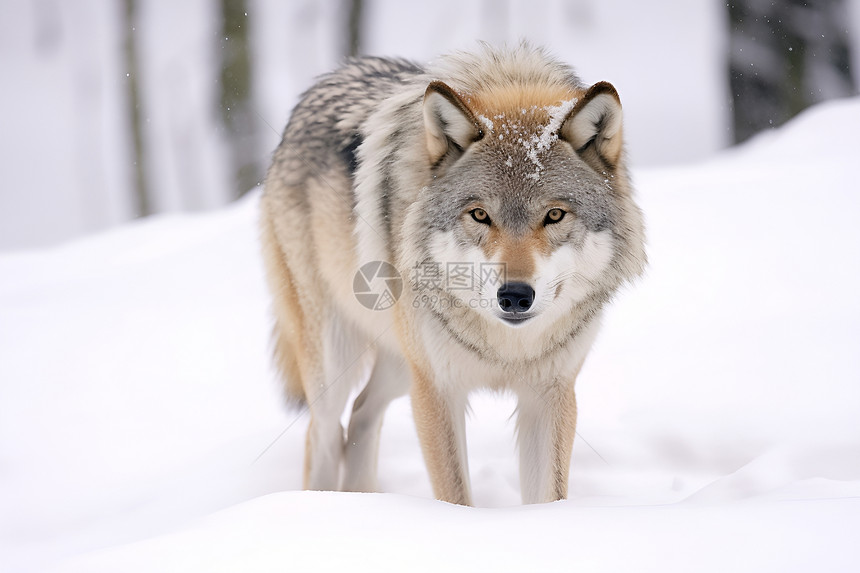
x,y
499,169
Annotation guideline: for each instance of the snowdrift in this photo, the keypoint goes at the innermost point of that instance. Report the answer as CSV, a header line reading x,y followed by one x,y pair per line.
x,y
142,427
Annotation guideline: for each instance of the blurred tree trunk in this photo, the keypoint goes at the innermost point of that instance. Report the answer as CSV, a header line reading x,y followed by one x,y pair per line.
x,y
355,25
785,56
236,97
141,193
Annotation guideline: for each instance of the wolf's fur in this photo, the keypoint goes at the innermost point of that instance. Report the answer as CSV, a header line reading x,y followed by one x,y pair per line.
x,y
384,160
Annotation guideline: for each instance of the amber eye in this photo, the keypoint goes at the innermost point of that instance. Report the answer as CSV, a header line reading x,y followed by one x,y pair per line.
x,y
480,216
553,216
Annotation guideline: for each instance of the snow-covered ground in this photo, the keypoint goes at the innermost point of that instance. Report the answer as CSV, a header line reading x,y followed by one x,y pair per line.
x,y
142,428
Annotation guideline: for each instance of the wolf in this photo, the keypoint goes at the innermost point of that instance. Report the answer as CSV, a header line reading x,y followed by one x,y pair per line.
x,y
436,229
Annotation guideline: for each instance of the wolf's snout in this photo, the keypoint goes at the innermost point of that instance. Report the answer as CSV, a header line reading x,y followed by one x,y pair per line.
x,y
516,297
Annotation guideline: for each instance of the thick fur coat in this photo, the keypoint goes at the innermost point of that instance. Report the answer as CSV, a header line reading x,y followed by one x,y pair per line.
x,y
499,169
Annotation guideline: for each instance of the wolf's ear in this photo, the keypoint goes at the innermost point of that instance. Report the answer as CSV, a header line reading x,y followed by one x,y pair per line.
x,y
448,122
593,127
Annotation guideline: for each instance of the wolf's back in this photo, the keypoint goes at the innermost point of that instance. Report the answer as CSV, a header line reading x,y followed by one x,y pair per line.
x,y
312,177
325,126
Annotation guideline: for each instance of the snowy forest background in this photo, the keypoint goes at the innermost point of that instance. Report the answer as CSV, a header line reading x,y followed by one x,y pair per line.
x,y
142,423
116,109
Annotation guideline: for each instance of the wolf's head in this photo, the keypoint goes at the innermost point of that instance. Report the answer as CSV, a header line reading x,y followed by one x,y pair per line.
x,y
529,211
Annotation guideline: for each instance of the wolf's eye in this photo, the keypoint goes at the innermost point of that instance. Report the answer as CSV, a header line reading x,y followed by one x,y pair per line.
x,y
553,216
480,216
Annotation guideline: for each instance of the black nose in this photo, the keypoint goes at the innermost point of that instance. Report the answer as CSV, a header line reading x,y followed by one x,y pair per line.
x,y
516,297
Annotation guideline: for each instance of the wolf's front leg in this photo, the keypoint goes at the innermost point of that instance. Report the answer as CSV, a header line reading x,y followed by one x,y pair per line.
x,y
546,424
327,395
440,418
338,358
389,380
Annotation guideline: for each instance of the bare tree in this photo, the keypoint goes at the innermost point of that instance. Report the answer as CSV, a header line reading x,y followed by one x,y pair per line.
x,y
785,56
354,27
133,93
236,98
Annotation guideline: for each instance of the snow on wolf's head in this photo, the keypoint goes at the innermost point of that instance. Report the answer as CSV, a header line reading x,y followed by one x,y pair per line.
x,y
529,212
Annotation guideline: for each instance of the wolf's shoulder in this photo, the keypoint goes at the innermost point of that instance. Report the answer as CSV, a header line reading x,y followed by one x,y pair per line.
x,y
357,86
370,72
380,67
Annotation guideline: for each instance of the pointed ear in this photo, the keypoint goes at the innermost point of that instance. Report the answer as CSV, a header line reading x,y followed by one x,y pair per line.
x,y
593,127
448,123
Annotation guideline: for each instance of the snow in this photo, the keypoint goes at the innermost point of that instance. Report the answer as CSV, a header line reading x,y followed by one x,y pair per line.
x,y
718,428
536,132
547,135
557,114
